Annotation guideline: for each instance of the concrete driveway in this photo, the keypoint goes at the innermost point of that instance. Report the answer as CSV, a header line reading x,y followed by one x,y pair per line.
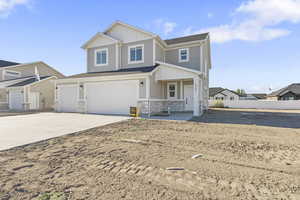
x,y
25,129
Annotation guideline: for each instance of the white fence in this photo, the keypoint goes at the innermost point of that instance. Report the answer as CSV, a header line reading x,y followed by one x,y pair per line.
x,y
288,105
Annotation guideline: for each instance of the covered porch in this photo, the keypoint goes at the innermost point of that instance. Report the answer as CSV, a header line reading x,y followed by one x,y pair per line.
x,y
170,89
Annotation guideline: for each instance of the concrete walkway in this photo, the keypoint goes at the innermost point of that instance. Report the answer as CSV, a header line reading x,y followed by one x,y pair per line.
x,y
25,129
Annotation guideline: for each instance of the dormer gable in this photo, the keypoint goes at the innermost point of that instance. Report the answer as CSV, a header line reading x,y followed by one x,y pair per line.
x,y
100,39
128,33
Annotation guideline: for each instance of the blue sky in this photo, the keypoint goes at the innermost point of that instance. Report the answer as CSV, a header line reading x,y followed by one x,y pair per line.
x,y
255,43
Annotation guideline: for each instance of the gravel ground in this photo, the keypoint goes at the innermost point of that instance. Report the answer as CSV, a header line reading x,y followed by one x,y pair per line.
x,y
129,160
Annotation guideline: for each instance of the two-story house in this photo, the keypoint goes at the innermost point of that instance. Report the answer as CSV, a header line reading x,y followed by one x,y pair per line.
x,y
28,86
128,66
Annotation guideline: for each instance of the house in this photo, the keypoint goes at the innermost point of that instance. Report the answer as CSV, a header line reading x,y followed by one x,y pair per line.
x,y
27,86
255,96
218,93
291,92
130,67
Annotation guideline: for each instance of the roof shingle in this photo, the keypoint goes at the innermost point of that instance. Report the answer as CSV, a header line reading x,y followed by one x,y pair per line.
x,y
190,38
4,63
116,72
27,81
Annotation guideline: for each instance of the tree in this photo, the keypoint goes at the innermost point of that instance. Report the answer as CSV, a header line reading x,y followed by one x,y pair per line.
x,y
240,91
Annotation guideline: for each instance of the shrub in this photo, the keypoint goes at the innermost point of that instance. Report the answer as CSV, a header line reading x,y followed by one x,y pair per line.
x,y
52,196
218,104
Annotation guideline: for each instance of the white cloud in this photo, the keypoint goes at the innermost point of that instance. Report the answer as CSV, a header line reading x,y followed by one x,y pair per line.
x,y
6,6
167,27
260,21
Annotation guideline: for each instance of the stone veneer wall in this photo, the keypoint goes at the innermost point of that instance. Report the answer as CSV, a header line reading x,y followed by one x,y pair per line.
x,y
157,106
4,106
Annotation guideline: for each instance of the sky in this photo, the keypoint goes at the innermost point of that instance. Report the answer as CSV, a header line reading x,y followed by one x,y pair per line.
x,y
255,44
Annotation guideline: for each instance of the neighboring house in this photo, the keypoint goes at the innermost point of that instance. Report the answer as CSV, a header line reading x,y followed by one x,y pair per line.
x,y
218,93
28,86
258,96
128,66
291,92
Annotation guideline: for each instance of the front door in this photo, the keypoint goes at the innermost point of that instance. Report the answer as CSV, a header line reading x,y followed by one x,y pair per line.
x,y
188,97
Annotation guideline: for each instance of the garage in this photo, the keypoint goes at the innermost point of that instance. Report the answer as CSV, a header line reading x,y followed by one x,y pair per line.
x,y
111,97
67,97
16,99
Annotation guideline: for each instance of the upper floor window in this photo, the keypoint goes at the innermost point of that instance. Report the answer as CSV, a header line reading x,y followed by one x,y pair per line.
x,y
136,54
101,57
183,55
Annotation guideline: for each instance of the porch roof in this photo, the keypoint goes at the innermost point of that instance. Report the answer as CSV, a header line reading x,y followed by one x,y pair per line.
x,y
168,71
124,71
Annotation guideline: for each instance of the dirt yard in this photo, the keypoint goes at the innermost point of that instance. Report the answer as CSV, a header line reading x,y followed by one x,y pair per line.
x,y
236,159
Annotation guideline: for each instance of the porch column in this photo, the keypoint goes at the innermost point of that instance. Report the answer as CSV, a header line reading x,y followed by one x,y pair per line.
x,y
148,87
148,94
197,86
181,89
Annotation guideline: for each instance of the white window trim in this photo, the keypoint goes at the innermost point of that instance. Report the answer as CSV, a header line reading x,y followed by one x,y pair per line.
x,y
168,90
107,57
179,55
134,46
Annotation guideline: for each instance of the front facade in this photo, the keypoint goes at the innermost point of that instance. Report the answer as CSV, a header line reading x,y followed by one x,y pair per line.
x,y
129,67
218,93
291,92
28,86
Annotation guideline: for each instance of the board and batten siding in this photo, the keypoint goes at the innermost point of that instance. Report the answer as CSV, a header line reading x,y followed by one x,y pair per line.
x,y
172,57
111,65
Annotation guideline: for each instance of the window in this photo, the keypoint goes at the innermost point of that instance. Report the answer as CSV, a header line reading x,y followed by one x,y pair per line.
x,y
101,57
136,54
231,98
183,55
12,73
172,94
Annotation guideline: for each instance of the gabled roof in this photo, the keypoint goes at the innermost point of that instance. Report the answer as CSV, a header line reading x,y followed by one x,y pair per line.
x,y
189,38
129,26
4,63
216,90
294,88
179,67
135,70
28,81
84,46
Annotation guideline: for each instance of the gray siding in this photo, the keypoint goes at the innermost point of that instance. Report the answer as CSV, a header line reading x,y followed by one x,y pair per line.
x,y
148,54
194,59
159,53
111,59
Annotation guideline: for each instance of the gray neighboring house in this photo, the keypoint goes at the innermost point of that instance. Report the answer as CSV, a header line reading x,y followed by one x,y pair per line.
x,y
128,66
218,93
291,92
27,86
254,96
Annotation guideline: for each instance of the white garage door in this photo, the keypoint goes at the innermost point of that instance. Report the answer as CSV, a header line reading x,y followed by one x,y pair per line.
x,y
16,100
67,98
111,97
